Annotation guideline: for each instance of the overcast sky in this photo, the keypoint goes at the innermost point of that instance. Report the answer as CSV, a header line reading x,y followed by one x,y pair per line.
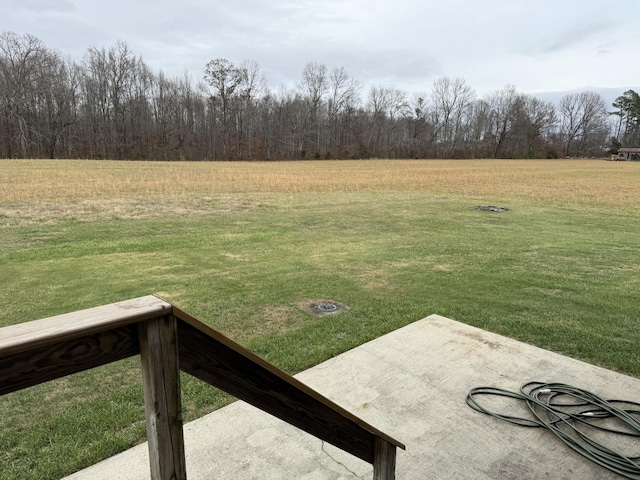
x,y
536,45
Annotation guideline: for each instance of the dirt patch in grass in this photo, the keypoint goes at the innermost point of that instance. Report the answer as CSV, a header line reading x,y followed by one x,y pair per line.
x,y
269,320
120,208
445,267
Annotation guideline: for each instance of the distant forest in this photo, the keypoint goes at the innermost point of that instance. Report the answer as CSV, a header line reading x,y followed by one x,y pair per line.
x,y
111,105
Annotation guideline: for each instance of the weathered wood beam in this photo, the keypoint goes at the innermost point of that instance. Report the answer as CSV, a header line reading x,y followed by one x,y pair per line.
x,y
210,356
38,333
49,348
384,463
42,364
161,385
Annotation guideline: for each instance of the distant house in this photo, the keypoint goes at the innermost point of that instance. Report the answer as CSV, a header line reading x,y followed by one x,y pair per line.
x,y
626,154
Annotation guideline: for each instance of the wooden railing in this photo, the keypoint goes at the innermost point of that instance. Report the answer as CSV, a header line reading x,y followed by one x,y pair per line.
x,y
169,340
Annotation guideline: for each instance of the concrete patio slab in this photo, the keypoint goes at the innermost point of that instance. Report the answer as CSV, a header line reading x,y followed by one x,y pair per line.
x,y
411,384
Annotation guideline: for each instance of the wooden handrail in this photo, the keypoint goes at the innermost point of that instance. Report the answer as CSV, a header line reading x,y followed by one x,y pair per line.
x,y
47,331
42,350
169,339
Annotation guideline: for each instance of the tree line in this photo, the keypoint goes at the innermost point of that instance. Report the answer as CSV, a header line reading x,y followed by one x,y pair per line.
x,y
111,105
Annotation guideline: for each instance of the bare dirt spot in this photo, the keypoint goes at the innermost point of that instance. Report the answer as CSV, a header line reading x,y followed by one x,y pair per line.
x,y
268,320
121,208
443,267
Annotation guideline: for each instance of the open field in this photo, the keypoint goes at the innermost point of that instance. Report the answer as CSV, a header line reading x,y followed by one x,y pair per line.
x,y
29,181
246,246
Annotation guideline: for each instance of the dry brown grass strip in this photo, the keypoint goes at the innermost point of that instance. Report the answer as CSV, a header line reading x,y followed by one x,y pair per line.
x,y
597,181
99,210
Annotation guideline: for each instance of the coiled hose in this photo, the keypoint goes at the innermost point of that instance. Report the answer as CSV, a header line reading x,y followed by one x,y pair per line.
x,y
568,411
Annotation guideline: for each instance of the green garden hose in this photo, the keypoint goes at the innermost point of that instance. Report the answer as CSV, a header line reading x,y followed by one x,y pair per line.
x,y
568,411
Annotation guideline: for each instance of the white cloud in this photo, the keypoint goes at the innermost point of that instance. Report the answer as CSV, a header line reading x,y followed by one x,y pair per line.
x,y
542,45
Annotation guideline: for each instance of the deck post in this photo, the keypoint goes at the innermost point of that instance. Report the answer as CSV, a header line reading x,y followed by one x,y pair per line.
x,y
161,384
384,460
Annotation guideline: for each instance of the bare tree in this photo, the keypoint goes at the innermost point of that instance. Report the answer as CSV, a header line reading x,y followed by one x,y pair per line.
x,y
505,105
313,88
388,107
536,121
344,96
379,101
583,123
27,76
247,142
228,82
452,101
481,129
61,97
421,133
109,90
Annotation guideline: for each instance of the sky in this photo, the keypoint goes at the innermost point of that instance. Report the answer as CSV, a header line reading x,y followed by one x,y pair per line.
x,y
535,45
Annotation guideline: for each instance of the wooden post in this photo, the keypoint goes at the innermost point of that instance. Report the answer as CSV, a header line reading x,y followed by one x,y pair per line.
x,y
161,383
384,460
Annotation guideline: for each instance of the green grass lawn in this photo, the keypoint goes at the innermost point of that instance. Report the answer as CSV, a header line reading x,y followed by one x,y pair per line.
x,y
562,275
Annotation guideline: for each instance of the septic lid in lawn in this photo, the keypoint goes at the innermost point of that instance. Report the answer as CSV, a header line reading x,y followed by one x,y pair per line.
x,y
492,208
323,307
327,307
